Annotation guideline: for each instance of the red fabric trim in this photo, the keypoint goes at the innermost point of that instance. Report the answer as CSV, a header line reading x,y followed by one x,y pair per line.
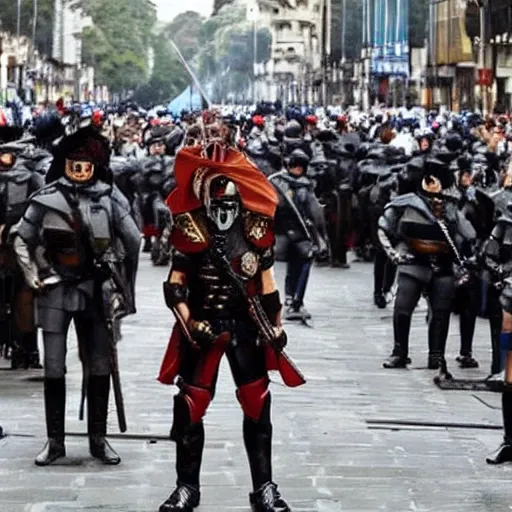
x,y
198,400
171,362
257,193
150,230
282,363
252,397
209,363
183,244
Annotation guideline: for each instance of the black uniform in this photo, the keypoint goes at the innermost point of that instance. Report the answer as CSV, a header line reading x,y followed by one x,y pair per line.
x,y
419,239
17,330
301,226
74,231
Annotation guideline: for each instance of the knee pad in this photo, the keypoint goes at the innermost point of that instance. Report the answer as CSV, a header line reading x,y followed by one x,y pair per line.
x,y
197,401
252,397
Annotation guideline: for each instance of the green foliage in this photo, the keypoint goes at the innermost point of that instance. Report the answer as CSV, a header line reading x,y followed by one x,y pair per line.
x,y
219,4
44,28
185,30
118,45
226,55
168,78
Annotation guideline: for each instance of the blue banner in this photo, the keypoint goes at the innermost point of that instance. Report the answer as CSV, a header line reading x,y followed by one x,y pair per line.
x,y
390,48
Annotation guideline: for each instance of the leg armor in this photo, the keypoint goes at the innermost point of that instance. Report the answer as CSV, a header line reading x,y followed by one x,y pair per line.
x,y
441,292
55,409
408,295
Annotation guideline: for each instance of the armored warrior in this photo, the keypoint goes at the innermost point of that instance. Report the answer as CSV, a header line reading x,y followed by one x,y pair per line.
x,y
425,236
154,184
301,224
78,248
223,294
18,332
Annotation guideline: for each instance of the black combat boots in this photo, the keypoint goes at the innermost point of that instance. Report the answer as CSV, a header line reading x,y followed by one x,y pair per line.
x,y
189,454
504,452
98,390
258,445
55,409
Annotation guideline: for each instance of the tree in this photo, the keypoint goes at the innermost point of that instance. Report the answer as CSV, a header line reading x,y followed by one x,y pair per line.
x,y
219,4
184,30
118,44
44,27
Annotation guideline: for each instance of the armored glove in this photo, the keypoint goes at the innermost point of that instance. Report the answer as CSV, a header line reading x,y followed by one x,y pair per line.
x,y
400,258
280,340
201,332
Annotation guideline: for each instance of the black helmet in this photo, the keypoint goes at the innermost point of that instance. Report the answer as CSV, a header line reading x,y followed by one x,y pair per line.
x,y
298,158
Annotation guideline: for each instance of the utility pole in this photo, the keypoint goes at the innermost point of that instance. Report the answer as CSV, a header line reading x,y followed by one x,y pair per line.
x,y
255,59
343,51
481,56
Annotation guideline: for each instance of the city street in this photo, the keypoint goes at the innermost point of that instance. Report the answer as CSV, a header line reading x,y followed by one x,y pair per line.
x,y
338,446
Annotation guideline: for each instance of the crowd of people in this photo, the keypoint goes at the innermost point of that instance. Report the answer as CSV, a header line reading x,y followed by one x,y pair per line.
x,y
219,196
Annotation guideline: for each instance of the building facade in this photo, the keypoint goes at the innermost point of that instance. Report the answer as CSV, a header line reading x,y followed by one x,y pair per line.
x,y
300,40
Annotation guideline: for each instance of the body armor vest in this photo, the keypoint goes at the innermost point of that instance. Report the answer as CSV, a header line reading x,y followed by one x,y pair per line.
x,y
77,230
14,193
212,295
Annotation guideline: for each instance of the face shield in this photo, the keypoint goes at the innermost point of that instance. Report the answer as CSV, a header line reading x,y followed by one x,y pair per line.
x,y
223,204
79,171
432,191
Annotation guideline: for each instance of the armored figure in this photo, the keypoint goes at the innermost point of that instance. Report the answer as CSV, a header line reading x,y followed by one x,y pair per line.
x,y
477,296
223,294
78,245
18,334
498,255
301,224
425,236
155,183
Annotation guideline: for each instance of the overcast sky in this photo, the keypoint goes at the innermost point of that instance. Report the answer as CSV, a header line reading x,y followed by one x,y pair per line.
x,y
168,9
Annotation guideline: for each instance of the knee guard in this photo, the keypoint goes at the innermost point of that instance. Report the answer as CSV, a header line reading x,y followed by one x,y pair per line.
x,y
252,397
190,406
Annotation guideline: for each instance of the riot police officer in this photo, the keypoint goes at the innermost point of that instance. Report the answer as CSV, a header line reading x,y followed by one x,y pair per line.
x,y
300,222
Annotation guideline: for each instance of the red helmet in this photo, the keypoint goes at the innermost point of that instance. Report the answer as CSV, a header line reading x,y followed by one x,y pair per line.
x,y
311,119
98,117
258,121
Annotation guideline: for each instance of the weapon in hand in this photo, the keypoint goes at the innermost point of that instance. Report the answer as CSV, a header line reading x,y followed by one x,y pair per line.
x,y
291,375
116,304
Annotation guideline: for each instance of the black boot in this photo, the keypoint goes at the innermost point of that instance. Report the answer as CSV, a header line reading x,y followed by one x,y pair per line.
x,y
396,360
258,445
18,358
55,408
189,453
98,390
185,498
467,361
504,452
147,244
401,327
268,499
379,300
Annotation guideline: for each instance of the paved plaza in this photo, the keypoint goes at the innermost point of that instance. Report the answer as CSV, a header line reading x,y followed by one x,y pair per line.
x,y
339,442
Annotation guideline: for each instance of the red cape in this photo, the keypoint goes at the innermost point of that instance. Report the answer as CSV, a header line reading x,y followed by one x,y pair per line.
x,y
257,193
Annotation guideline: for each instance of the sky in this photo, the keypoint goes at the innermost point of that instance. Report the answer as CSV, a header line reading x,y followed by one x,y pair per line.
x,y
169,9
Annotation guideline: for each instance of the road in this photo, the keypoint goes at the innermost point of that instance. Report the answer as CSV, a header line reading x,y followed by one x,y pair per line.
x,y
327,457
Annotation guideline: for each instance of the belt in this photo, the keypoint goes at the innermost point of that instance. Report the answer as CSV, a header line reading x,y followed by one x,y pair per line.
x,y
428,247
